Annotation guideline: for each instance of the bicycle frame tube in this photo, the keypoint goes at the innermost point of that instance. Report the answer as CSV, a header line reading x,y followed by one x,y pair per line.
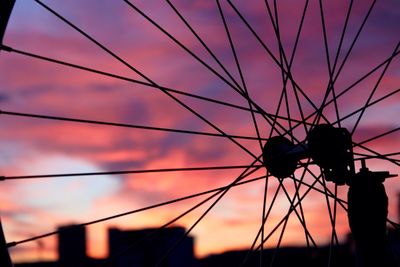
x,y
6,7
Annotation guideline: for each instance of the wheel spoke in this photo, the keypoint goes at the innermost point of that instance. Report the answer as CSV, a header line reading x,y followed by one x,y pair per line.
x,y
354,41
144,76
238,90
331,84
222,193
375,153
284,80
21,177
330,87
296,86
285,93
210,52
239,69
123,125
282,55
342,35
216,191
128,79
379,136
369,105
382,156
251,250
288,213
365,76
262,218
300,218
297,189
166,33
332,218
374,89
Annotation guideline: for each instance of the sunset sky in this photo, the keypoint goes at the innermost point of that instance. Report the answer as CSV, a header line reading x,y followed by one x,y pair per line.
x,y
34,146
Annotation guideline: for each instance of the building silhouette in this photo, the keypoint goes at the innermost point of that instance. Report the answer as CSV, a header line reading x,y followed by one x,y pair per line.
x,y
72,246
148,247
139,248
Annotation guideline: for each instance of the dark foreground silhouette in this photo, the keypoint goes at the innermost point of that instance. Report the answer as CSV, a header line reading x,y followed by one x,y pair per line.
x,y
72,252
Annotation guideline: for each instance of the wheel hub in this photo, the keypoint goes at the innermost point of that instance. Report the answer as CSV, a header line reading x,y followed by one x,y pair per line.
x,y
329,147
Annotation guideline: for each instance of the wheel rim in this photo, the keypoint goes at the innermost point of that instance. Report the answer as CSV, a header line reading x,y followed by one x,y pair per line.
x,y
291,106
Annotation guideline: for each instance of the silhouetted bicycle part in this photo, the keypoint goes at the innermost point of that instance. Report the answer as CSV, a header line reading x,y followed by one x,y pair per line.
x,y
331,149
288,153
5,12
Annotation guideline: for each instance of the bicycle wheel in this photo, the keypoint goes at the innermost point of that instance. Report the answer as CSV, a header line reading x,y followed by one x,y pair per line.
x,y
150,106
